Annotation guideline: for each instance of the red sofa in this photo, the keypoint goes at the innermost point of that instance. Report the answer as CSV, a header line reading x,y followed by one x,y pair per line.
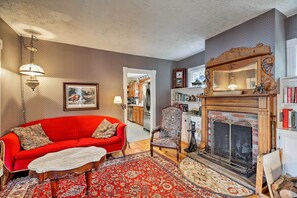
x,y
65,132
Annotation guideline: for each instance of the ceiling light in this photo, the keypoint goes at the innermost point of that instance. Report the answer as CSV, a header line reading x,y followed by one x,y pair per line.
x,y
31,68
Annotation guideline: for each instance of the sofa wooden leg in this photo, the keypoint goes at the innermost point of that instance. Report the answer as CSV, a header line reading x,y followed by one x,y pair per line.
x,y
123,152
5,178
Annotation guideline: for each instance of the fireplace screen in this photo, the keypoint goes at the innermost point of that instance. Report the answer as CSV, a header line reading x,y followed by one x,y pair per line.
x,y
232,142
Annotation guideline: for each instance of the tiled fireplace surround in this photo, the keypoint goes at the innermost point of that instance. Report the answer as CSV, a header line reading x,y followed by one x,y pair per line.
x,y
239,119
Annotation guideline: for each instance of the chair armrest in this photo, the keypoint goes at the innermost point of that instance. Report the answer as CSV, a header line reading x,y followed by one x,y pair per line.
x,y
155,130
121,133
10,146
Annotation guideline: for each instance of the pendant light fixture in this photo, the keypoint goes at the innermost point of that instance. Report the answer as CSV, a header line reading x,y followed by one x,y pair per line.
x,y
32,69
232,85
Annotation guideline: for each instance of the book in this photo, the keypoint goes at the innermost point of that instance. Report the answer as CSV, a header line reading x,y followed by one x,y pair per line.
x,y
295,99
289,94
285,94
286,117
293,119
290,119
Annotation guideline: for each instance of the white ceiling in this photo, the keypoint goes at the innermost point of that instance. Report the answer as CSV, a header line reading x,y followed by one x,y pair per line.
x,y
167,29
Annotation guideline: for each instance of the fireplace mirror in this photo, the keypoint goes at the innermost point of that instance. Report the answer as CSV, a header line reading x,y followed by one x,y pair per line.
x,y
235,77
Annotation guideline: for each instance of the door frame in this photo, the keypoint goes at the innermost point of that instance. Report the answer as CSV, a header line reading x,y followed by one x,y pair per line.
x,y
152,74
1,47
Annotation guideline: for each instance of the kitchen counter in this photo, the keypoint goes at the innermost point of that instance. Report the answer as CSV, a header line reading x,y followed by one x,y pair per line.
x,y
135,105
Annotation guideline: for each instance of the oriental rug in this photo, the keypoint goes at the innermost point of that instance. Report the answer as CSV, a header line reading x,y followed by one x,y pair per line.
x,y
209,179
137,175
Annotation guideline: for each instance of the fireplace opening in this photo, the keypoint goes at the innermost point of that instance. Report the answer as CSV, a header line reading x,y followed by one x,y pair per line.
x,y
231,144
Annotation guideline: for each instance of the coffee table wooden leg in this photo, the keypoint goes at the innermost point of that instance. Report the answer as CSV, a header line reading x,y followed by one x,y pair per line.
x,y
88,181
54,187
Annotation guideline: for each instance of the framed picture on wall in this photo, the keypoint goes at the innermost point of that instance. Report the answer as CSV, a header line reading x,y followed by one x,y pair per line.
x,y
179,78
80,96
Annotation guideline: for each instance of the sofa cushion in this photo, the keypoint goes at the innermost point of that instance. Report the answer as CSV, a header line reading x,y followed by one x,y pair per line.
x,y
38,152
31,136
105,130
98,142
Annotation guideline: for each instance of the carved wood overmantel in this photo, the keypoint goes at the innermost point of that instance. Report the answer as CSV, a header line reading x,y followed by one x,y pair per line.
x,y
243,99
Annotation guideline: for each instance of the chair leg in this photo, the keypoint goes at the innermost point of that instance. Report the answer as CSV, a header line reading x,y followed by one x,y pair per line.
x,y
160,148
177,157
151,149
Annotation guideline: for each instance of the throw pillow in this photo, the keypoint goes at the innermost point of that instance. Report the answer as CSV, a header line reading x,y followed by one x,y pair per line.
x,y
105,130
31,136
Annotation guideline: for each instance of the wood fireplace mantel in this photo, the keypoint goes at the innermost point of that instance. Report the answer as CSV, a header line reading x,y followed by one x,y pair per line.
x,y
249,101
260,104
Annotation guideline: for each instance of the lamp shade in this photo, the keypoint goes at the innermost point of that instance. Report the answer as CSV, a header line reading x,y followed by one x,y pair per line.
x,y
31,69
117,100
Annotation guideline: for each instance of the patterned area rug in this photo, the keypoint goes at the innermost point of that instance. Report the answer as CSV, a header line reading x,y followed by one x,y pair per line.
x,y
137,175
211,180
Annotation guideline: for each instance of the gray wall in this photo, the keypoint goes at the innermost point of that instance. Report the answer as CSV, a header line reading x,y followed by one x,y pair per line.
x,y
11,114
192,61
248,34
68,63
291,27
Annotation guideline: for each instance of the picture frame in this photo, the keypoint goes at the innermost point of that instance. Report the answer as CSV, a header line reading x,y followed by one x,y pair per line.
x,y
179,78
250,83
80,96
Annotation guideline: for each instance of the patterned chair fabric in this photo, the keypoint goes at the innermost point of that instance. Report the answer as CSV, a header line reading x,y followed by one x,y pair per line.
x,y
169,131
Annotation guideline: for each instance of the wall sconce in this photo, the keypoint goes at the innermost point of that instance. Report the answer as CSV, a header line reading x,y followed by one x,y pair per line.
x,y
32,69
232,85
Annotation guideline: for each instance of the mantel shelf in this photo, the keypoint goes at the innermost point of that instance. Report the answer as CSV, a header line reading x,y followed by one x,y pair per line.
x,y
234,95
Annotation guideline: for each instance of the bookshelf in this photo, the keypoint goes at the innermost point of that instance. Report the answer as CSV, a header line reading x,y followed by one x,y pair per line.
x,y
286,138
282,101
181,96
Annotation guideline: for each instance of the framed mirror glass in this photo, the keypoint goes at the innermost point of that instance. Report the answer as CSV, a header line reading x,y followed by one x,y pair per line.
x,y
241,78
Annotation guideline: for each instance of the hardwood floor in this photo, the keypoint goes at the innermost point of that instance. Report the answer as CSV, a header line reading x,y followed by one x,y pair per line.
x,y
144,145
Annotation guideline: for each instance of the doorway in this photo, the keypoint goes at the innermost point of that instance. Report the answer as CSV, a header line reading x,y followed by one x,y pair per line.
x,y
140,98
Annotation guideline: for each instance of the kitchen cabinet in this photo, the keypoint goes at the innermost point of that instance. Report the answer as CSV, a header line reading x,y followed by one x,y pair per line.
x,y
133,89
141,116
138,115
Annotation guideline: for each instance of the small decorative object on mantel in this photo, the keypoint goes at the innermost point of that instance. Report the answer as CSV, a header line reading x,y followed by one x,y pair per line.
x,y
259,89
179,78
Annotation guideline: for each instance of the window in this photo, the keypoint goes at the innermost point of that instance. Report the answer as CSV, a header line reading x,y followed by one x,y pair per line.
x,y
196,76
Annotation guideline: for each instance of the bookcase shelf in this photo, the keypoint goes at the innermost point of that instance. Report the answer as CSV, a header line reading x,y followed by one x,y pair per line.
x,y
283,84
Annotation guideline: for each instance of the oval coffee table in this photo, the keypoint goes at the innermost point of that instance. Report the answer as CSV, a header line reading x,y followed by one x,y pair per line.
x,y
61,164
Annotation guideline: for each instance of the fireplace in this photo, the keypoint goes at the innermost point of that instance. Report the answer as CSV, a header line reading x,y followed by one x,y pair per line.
x,y
239,126
233,140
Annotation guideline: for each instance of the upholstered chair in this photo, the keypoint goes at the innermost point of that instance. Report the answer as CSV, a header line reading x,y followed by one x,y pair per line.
x,y
169,131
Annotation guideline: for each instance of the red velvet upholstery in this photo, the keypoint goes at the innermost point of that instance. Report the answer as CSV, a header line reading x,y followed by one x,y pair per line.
x,y
65,132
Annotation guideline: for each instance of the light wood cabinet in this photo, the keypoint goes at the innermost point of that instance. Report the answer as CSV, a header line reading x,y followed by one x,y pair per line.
x,y
141,116
138,115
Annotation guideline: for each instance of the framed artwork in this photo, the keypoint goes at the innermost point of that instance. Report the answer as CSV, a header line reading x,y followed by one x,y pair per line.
x,y
250,83
80,96
179,78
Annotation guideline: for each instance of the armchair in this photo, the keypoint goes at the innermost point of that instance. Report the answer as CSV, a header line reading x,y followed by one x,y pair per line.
x,y
170,131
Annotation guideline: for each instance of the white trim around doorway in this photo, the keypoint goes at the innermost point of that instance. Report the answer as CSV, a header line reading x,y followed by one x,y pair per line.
x,y
1,47
152,74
